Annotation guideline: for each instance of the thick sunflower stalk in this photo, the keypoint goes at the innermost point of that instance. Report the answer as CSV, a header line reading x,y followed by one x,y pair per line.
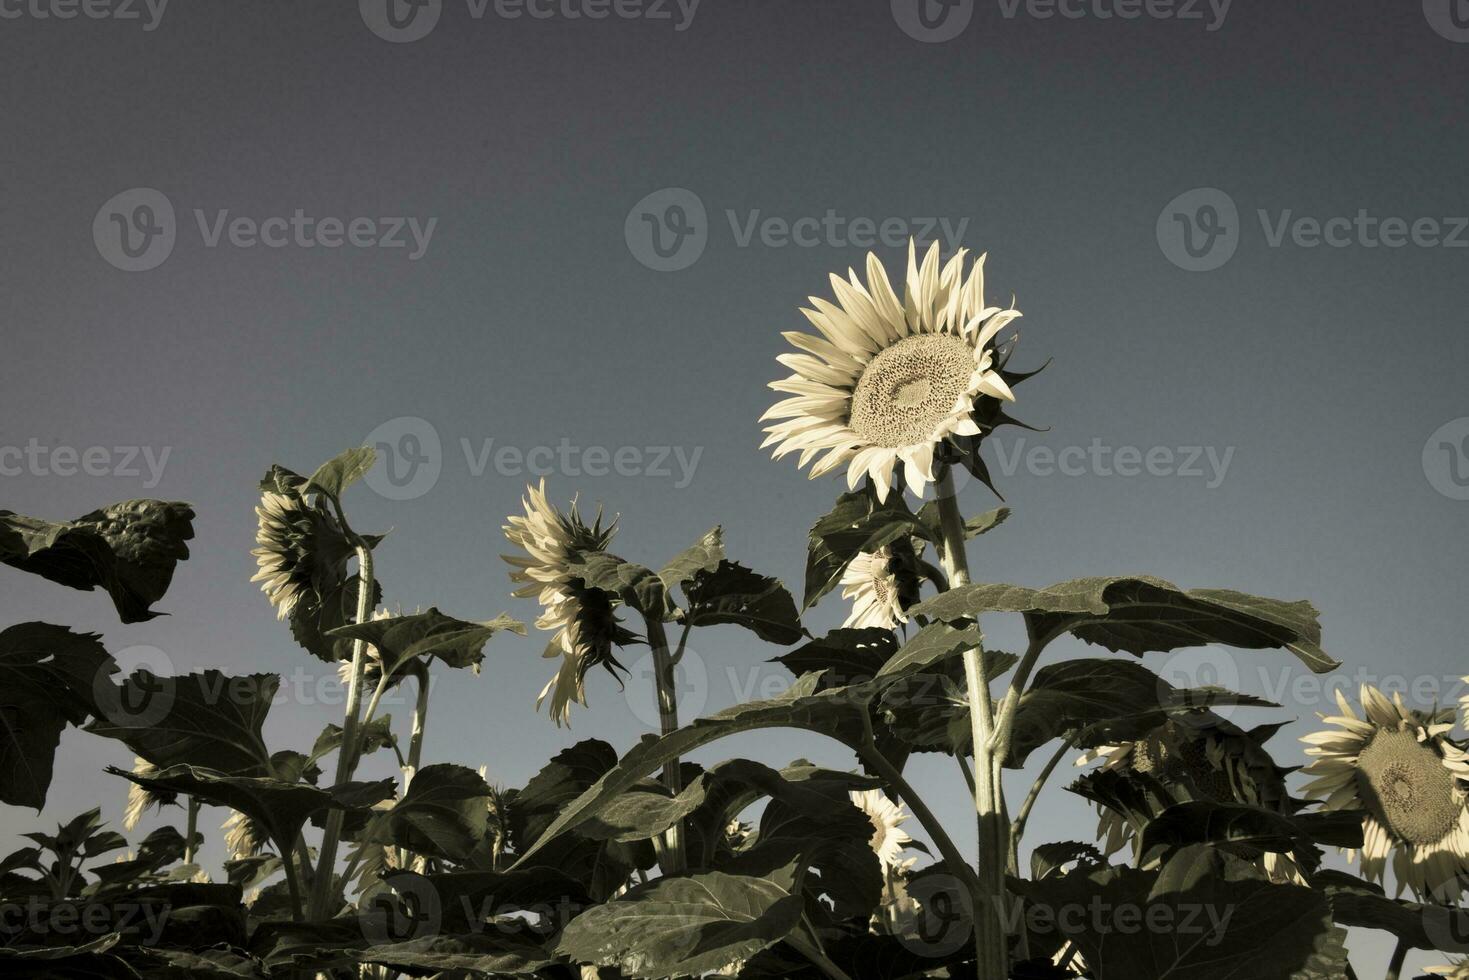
x,y
897,392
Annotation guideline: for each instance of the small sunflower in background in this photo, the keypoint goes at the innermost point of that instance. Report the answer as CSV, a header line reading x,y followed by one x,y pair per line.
x,y
583,619
888,381
888,836
1399,768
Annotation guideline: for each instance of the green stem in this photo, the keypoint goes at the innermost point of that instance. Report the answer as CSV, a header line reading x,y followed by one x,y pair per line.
x,y
1017,828
991,949
321,891
191,829
293,885
1395,965
663,678
415,740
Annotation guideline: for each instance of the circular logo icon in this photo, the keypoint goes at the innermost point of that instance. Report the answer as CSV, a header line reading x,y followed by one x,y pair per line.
x,y
411,910
410,458
145,695
1195,675
942,915
1199,230
1448,18
690,687
401,21
135,230
667,230
1446,459
933,21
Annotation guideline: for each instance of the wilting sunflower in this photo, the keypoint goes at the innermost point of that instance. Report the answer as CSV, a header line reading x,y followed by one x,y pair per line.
x,y
303,550
1397,766
583,618
887,381
1454,971
888,837
871,583
1200,756
140,798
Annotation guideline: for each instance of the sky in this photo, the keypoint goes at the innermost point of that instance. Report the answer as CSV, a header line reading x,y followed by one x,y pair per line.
x,y
519,238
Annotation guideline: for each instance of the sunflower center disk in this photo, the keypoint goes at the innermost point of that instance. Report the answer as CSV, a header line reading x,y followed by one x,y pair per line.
x,y
1407,785
906,391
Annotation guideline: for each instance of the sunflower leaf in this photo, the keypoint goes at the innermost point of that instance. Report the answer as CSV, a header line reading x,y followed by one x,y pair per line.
x,y
49,677
129,548
442,815
639,587
1141,615
703,556
846,655
732,593
337,474
856,524
683,926
399,639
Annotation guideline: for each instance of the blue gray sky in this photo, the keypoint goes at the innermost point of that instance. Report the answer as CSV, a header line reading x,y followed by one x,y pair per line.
x,y
1239,229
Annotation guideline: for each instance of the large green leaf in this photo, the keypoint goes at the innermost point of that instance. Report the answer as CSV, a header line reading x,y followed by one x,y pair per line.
x,y
497,953
702,556
206,719
130,549
1200,918
856,524
731,593
1247,830
340,472
1142,615
644,812
845,655
400,639
838,713
443,814
937,642
1109,700
48,679
639,587
279,807
683,926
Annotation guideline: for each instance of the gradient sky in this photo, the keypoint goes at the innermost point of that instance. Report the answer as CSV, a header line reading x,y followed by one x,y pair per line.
x,y
1056,144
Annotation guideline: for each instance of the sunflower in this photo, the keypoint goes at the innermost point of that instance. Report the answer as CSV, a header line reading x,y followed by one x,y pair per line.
x,y
303,550
139,797
888,381
872,585
888,837
1199,757
1454,971
1399,769
583,618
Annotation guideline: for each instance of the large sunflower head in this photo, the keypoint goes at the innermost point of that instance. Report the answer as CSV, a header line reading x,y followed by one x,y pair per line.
x,y
302,549
888,381
583,619
1398,767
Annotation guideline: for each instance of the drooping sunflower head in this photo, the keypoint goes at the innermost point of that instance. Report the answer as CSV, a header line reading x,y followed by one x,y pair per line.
x,y
1399,768
888,837
302,550
583,618
141,798
872,585
888,381
1454,971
